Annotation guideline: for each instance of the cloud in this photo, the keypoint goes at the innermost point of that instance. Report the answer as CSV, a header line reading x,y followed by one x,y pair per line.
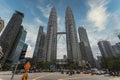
x,y
93,43
39,21
97,14
61,46
31,38
32,32
45,10
29,51
5,14
61,25
115,19
112,37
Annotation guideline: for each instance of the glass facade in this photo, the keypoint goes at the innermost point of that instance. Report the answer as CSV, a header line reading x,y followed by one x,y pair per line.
x,y
19,48
37,46
9,36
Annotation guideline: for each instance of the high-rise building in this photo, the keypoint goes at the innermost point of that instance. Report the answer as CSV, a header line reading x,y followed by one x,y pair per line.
x,y
119,36
23,53
10,34
41,54
1,24
18,46
64,56
105,49
73,51
83,51
98,62
38,44
85,46
51,37
116,49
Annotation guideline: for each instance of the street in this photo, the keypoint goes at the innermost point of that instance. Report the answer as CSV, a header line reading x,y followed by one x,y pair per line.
x,y
56,76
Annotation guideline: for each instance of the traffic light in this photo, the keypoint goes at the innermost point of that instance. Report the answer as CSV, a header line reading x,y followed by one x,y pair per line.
x,y
22,55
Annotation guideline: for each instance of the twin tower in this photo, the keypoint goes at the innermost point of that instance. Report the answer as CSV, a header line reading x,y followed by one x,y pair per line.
x,y
73,50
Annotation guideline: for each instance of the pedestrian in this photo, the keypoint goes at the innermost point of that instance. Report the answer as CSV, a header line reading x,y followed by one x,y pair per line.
x,y
25,76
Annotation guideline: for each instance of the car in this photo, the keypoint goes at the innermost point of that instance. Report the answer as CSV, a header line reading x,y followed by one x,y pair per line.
x,y
77,72
22,71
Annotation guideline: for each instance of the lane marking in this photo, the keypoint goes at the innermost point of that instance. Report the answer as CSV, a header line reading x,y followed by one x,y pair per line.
x,y
70,78
42,76
75,78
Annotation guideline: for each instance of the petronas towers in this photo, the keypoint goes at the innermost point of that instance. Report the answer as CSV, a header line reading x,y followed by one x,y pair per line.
x,y
51,41
50,46
73,50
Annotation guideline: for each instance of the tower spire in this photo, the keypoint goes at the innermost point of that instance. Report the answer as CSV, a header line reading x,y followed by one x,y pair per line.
x,y
51,42
73,51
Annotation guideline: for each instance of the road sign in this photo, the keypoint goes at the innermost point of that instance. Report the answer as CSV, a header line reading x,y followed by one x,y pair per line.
x,y
52,67
27,66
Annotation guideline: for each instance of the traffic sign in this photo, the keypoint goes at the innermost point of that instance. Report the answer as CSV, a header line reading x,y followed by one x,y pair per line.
x,y
52,67
27,66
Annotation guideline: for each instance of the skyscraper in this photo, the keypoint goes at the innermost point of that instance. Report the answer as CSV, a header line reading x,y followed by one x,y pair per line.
x,y
41,54
10,33
85,45
105,48
119,36
18,46
1,24
116,49
51,37
38,44
73,50
83,51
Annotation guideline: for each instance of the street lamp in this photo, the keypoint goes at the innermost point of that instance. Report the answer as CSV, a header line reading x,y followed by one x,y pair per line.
x,y
1,53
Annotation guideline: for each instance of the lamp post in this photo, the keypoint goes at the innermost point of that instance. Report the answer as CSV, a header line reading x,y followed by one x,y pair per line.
x,y
1,53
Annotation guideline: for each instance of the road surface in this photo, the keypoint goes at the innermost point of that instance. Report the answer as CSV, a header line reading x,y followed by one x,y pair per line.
x,y
56,76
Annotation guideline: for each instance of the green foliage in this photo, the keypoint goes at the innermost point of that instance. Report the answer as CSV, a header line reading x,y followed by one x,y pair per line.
x,y
20,66
7,66
43,65
111,63
72,65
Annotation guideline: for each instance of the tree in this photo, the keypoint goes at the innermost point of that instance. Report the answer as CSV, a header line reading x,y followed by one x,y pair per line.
x,y
7,66
43,65
72,65
111,63
47,65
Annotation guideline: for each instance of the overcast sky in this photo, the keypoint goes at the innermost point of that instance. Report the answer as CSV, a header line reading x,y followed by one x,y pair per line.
x,y
101,19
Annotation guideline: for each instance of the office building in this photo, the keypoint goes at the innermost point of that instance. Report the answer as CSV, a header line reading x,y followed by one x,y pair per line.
x,y
85,47
9,35
116,49
1,24
18,46
106,49
119,36
39,52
